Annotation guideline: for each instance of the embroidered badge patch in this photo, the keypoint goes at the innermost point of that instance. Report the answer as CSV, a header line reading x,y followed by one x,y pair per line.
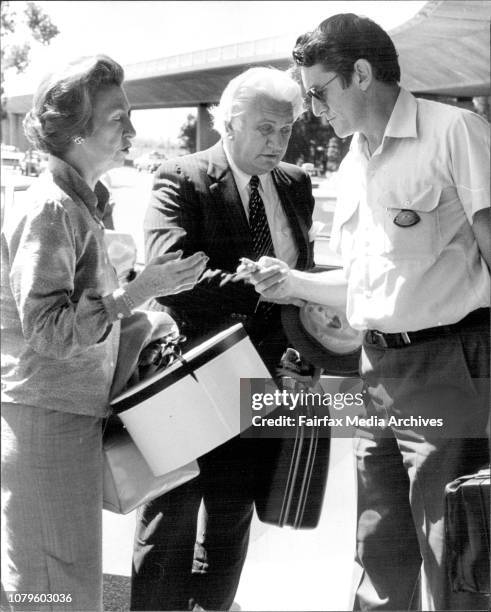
x,y
406,218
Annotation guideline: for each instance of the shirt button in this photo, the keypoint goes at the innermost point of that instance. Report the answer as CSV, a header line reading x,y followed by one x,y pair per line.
x,y
120,315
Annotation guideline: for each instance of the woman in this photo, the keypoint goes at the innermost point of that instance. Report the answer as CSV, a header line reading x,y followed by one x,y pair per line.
x,y
61,311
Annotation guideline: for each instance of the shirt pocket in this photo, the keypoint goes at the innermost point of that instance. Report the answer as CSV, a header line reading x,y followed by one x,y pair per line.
x,y
411,229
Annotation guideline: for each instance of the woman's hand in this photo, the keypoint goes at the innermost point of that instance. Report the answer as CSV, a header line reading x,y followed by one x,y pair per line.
x,y
166,275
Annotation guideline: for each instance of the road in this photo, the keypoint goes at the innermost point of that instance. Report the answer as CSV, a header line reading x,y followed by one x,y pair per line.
x,y
131,191
288,570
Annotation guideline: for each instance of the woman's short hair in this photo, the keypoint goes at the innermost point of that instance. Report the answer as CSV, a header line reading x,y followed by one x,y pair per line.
x,y
256,82
339,41
63,103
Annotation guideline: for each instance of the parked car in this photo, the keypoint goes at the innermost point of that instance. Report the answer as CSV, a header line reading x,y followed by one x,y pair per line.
x,y
11,157
33,163
149,162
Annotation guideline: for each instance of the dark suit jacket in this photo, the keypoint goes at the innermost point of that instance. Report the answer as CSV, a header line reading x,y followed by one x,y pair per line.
x,y
195,206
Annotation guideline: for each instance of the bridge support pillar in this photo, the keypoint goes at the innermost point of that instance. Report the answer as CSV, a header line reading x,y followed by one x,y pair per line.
x,y
205,134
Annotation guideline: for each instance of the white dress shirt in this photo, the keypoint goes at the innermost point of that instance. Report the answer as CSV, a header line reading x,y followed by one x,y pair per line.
x,y
284,244
434,162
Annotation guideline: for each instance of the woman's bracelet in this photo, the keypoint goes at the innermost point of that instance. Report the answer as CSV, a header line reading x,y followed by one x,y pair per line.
x,y
124,303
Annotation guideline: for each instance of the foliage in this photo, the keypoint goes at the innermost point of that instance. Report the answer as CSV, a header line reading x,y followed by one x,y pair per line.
x,y
188,134
7,18
41,26
38,26
17,57
313,141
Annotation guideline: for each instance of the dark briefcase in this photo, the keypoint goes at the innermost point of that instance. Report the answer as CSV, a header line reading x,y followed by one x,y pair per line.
x,y
467,532
291,472
290,490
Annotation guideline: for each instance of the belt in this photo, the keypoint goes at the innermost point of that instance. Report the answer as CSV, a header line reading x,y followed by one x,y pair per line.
x,y
401,339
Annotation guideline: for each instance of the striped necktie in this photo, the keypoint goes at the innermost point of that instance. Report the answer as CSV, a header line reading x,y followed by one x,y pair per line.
x,y
262,243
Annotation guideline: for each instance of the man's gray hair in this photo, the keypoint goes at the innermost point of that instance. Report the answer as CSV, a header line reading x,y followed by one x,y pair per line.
x,y
261,81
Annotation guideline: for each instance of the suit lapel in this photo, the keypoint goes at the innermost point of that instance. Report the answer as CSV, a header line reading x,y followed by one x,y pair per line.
x,y
288,194
227,202
229,208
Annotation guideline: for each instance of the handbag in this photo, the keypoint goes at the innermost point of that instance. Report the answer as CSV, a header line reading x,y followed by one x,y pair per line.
x,y
128,481
141,333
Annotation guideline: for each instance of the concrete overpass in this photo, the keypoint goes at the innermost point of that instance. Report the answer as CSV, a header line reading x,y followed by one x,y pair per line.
x,y
443,50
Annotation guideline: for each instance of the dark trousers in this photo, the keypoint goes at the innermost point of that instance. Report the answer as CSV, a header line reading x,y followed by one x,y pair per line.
x,y
403,469
180,561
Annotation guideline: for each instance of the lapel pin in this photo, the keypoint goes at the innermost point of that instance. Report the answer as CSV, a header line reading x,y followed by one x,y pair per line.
x,y
407,218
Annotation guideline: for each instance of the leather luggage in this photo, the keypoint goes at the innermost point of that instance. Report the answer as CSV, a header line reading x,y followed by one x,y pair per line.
x,y
292,471
291,491
467,532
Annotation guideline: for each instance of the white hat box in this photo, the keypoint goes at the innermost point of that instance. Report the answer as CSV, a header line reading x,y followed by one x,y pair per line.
x,y
192,407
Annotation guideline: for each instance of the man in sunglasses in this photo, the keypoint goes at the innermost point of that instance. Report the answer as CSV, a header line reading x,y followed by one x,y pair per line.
x,y
412,225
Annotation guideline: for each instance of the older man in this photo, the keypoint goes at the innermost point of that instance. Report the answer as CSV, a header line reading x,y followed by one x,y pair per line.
x,y
413,228
236,199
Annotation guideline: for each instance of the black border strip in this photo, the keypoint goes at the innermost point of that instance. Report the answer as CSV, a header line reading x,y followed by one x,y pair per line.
x,y
187,367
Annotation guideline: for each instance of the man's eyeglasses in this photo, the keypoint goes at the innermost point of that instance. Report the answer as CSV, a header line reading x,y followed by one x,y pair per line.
x,y
318,92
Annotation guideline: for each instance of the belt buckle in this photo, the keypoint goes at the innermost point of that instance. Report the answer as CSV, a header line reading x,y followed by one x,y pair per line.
x,y
405,338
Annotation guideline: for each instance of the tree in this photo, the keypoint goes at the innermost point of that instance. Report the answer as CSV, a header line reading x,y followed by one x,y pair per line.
x,y
15,51
313,141
187,134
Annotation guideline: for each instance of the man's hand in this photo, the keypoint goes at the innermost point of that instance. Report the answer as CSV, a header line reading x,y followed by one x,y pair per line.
x,y
272,279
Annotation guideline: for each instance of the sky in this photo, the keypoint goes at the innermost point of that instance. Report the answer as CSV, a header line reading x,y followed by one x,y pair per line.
x,y
134,30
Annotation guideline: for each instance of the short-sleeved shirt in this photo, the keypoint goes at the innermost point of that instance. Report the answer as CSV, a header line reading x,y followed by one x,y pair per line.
x,y
403,219
59,340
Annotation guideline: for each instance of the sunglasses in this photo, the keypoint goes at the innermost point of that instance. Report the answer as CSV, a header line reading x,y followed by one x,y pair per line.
x,y
318,92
